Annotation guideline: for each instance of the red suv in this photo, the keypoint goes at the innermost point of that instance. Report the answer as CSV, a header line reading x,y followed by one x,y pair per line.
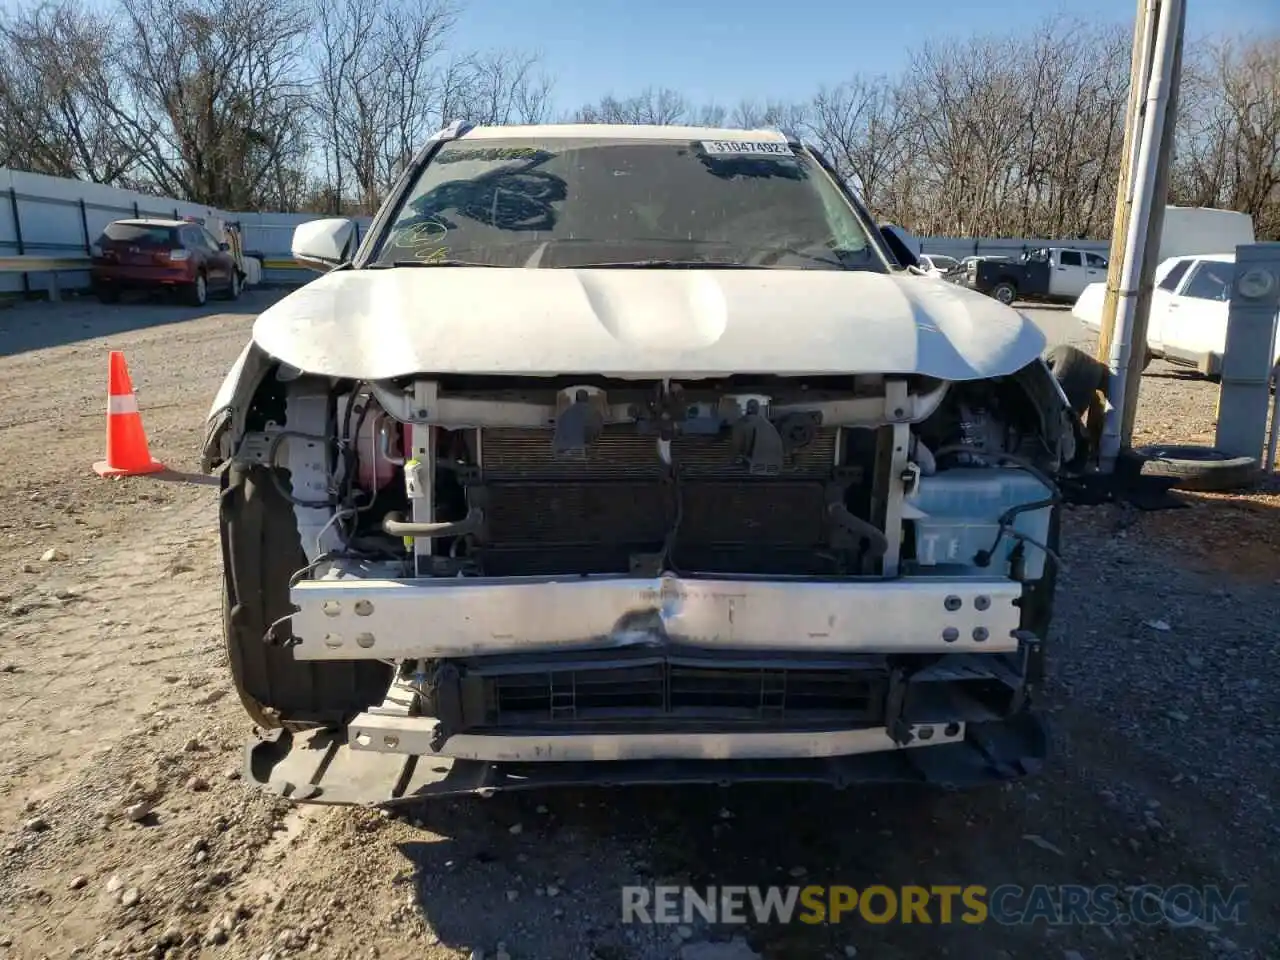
x,y
155,254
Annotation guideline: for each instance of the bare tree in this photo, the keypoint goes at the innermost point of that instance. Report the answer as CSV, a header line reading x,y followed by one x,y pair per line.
x,y
385,82
375,85
663,106
1229,149
58,67
992,136
653,105
505,86
791,118
861,126
215,97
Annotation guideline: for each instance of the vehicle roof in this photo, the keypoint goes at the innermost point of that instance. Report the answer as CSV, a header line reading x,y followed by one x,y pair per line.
x,y
153,222
621,131
1219,257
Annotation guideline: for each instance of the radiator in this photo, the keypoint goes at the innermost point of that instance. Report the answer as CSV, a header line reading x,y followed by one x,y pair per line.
x,y
545,515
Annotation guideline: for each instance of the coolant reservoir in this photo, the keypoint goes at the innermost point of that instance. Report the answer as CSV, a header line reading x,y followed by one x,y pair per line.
x,y
379,450
961,516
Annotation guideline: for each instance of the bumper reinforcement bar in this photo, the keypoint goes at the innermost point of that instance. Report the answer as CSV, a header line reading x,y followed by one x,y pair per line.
x,y
354,618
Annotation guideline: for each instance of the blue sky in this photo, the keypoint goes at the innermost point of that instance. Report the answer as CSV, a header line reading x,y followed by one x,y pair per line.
x,y
725,51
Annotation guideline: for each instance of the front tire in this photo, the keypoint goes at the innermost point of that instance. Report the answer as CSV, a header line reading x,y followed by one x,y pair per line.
x,y
234,287
261,551
198,292
1080,375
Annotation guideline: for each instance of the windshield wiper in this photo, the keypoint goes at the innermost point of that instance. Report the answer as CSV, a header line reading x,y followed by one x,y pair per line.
x,y
667,265
428,263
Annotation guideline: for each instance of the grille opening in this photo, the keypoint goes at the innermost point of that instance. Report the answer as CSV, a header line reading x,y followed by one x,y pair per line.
x,y
681,693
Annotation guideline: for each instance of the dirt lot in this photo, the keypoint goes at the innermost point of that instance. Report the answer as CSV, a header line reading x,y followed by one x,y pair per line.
x,y
113,692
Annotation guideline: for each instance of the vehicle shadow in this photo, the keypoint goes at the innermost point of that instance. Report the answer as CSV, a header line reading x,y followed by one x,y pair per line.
x,y
551,867
1170,372
27,327
182,476
1036,305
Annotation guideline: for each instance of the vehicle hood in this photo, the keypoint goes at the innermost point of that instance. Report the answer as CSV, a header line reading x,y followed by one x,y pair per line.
x,y
640,323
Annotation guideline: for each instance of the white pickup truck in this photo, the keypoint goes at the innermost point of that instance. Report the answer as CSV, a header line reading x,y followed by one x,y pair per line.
x,y
1046,274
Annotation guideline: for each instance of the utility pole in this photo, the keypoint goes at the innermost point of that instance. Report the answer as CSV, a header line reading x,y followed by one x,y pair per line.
x,y
1139,67
1155,231
1128,340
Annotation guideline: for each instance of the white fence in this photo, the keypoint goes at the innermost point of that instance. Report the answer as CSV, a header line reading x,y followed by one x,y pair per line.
x,y
52,217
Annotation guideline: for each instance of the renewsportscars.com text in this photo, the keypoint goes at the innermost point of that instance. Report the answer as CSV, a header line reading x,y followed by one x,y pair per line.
x,y
1064,904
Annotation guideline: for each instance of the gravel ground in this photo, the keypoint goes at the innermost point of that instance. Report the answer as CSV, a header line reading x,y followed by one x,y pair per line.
x,y
126,832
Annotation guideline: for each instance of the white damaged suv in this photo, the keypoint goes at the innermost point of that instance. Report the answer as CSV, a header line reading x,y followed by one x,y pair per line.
x,y
625,454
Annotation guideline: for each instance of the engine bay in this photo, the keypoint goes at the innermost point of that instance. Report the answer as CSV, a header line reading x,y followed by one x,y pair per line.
x,y
840,477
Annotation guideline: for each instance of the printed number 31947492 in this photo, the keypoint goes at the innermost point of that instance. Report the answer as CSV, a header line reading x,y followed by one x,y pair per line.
x,y
768,148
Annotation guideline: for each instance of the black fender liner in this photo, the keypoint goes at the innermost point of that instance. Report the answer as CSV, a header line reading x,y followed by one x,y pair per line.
x,y
261,551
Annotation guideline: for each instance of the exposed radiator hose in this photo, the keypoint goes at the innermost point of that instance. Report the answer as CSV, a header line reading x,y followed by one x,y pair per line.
x,y
397,526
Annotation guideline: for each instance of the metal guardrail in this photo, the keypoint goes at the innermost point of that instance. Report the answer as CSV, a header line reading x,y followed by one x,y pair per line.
x,y
27,264
32,263
50,265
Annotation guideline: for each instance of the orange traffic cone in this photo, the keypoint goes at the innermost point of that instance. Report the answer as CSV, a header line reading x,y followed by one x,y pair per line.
x,y
127,453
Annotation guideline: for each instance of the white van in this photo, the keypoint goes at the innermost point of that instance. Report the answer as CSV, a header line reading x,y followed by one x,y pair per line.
x,y
1203,231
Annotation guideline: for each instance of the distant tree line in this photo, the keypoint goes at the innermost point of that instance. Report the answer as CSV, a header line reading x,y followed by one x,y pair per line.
x,y
299,105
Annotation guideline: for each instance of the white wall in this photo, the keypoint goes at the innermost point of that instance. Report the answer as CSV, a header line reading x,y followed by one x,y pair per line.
x,y
271,233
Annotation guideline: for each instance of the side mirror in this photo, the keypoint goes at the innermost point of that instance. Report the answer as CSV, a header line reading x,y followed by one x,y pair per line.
x,y
322,244
897,244
224,246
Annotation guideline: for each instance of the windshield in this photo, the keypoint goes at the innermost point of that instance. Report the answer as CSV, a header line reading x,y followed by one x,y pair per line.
x,y
626,202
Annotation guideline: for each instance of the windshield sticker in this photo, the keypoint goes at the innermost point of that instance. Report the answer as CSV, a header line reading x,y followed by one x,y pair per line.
x,y
758,148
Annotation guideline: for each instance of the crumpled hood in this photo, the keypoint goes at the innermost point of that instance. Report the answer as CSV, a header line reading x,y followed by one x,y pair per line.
x,y
641,323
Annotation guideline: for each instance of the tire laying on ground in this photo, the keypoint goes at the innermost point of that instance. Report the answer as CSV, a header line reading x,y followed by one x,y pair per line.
x,y
1079,374
1198,467
261,551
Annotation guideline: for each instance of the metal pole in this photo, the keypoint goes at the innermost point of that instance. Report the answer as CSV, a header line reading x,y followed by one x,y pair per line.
x,y
1151,249
17,235
1144,199
84,227
1140,64
1270,462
